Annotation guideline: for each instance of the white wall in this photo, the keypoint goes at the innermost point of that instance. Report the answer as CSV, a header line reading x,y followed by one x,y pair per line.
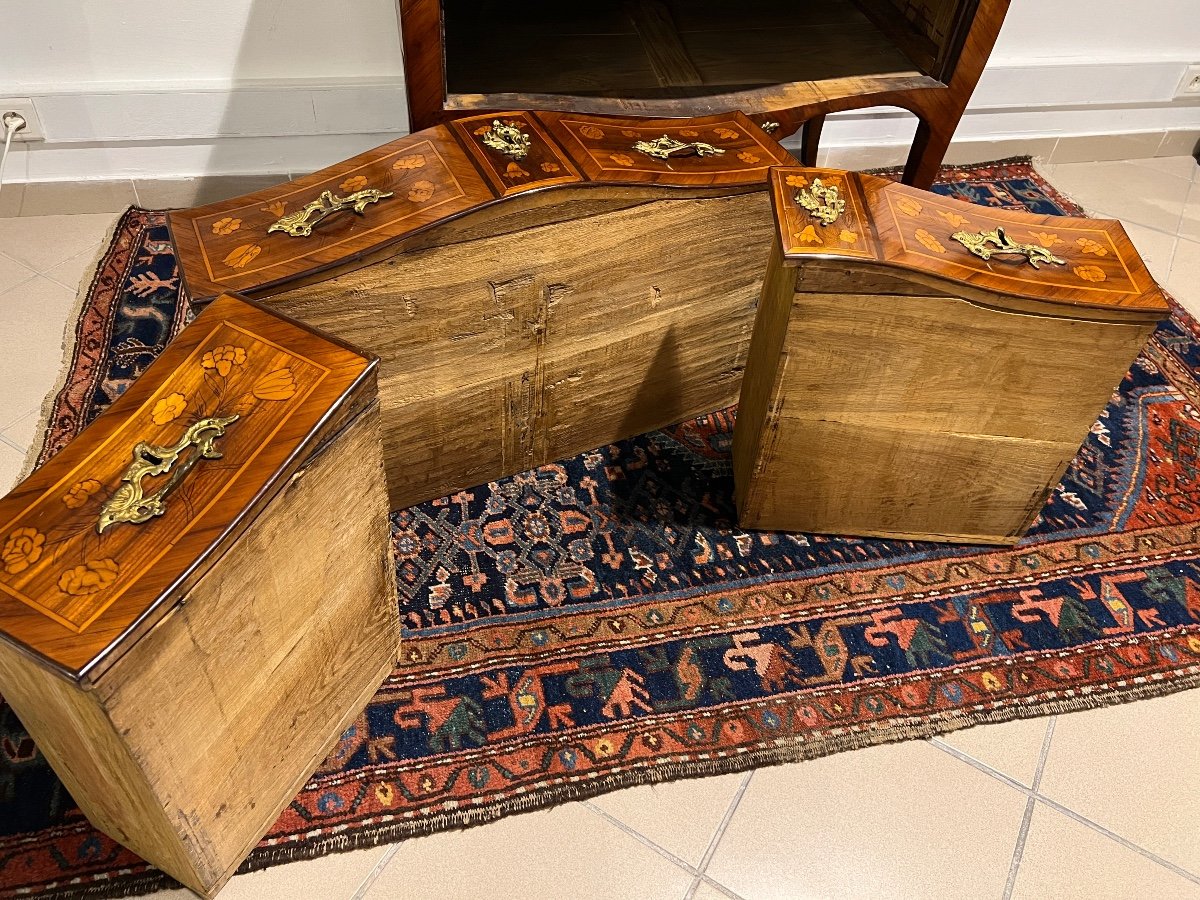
x,y
180,87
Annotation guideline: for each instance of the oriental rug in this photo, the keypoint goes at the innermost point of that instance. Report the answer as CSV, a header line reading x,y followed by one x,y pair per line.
x,y
601,622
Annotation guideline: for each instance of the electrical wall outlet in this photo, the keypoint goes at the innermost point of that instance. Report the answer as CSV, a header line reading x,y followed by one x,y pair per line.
x,y
1190,86
33,122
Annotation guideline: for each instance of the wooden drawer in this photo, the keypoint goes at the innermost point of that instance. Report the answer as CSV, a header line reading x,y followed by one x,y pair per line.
x,y
196,594
503,284
924,368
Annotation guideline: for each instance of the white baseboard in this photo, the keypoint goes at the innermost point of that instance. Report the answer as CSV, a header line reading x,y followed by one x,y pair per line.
x,y
187,129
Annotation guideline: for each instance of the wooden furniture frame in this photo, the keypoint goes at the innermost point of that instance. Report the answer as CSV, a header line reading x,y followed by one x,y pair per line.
x,y
936,84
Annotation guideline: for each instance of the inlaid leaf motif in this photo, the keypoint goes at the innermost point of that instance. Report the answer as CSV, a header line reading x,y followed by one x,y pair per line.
x,y
550,167
22,549
591,131
275,208
848,237
169,408
415,161
1090,273
240,257
687,132
354,183
223,358
483,129
796,181
726,133
277,385
514,172
809,236
90,578
930,241
747,157
1087,245
954,220
80,493
1045,239
421,191
628,132
909,206
227,225
621,159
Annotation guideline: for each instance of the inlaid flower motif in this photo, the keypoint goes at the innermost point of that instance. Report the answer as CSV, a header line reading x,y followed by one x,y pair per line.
x,y
353,183
169,408
796,181
80,493
688,132
240,257
22,549
628,132
483,129
909,206
848,237
227,225
277,385
954,220
1087,245
550,167
275,208
90,578
415,161
223,358
1090,273
809,236
930,241
591,131
747,157
514,171
1045,239
727,133
621,159
421,191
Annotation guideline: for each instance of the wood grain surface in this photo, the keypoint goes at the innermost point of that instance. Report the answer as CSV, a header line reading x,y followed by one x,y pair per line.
x,y
441,174
76,597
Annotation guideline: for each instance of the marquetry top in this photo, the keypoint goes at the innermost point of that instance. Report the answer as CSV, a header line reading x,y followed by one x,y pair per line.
x,y
443,172
1076,262
104,539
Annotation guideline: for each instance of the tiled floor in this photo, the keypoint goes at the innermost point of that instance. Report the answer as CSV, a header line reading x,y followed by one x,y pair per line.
x,y
1094,805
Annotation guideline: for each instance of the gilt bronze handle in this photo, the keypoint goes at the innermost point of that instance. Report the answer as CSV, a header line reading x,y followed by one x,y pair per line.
x,y
130,502
302,222
822,201
986,244
668,148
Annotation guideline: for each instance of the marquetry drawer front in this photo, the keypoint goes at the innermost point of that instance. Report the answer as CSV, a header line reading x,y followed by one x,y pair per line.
x,y
1058,259
710,150
515,152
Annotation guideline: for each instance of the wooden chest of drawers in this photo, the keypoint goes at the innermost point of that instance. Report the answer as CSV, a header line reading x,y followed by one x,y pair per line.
x,y
534,284
196,595
925,368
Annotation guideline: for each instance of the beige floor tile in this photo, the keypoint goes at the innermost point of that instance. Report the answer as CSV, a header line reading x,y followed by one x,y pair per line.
x,y
1184,280
43,242
1179,166
1189,224
1093,148
1012,748
334,877
32,317
1135,769
906,820
679,816
10,467
13,273
52,198
1066,860
707,891
69,273
20,434
1123,190
565,853
1157,249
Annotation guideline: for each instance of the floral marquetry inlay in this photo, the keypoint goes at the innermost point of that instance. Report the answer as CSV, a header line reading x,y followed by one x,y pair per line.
x,y
22,549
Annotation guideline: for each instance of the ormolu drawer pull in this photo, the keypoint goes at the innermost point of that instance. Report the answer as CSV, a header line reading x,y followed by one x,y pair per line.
x,y
666,147
130,503
302,222
822,201
987,244
507,139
